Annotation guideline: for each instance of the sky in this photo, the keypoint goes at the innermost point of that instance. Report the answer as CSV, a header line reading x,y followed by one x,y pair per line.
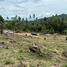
x,y
24,8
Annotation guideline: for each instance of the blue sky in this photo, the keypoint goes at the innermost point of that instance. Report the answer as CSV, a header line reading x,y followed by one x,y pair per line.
x,y
24,8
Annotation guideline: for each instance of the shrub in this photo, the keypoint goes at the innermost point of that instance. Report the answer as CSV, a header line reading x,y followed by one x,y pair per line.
x,y
21,58
64,65
51,31
7,62
12,62
20,51
18,58
54,36
43,53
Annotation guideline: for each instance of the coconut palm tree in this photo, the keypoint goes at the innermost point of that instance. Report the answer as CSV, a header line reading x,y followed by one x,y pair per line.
x,y
19,18
33,15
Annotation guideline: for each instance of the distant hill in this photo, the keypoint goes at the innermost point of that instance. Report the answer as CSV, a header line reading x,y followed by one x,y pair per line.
x,y
62,15
58,16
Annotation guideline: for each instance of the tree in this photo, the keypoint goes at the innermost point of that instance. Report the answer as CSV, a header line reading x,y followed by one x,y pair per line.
x,y
56,15
45,19
36,19
26,21
16,20
41,21
33,15
30,17
1,23
62,25
7,17
11,25
19,18
22,19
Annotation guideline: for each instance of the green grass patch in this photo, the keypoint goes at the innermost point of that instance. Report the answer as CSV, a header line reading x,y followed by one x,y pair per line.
x,y
64,65
20,51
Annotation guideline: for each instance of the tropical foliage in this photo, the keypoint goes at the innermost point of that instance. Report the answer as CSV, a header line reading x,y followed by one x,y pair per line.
x,y
46,25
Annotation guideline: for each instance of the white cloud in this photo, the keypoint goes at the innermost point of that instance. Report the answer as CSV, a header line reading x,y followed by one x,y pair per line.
x,y
24,8
48,14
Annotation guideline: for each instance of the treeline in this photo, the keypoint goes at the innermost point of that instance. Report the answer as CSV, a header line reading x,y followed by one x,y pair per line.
x,y
44,25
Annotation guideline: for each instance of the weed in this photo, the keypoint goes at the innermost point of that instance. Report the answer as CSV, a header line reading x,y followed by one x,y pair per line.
x,y
12,62
31,65
20,51
33,53
64,65
54,36
18,58
7,62
43,53
21,45
21,58
6,53
0,58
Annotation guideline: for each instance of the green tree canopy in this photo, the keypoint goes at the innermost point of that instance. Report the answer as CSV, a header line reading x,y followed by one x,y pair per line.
x,y
1,23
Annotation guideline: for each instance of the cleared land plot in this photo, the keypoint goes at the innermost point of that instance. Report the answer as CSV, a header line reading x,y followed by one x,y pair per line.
x,y
51,50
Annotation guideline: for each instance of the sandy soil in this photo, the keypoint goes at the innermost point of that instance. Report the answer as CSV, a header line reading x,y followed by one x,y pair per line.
x,y
28,34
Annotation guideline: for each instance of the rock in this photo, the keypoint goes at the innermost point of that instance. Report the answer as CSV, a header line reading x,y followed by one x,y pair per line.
x,y
17,32
65,53
25,34
12,41
42,34
54,52
2,42
3,45
34,34
24,64
66,38
35,48
6,47
56,33
44,38
38,65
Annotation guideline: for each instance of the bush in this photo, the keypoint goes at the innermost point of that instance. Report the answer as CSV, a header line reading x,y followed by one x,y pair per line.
x,y
21,58
51,31
64,65
20,51
43,53
54,36
12,62
7,62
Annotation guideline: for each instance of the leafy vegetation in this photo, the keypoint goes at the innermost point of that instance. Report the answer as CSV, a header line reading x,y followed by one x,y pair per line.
x,y
20,51
64,65
45,25
9,62
51,51
51,48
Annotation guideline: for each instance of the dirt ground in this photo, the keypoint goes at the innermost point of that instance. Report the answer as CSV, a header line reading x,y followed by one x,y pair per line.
x,y
28,34
51,50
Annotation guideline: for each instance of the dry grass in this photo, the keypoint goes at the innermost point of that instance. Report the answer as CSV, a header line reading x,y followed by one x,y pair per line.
x,y
51,50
